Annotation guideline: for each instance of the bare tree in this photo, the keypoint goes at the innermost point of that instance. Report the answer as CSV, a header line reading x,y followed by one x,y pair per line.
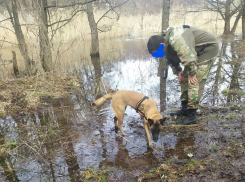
x,y
227,9
235,87
14,17
163,67
165,14
94,51
238,17
243,19
45,48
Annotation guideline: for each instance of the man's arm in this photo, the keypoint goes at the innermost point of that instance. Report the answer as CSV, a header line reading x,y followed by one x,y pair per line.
x,y
175,66
185,49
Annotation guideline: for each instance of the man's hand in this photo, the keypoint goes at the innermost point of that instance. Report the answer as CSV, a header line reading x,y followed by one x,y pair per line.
x,y
192,79
180,77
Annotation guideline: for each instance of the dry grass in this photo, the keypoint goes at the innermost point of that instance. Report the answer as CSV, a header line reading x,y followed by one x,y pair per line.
x,y
71,44
28,93
71,49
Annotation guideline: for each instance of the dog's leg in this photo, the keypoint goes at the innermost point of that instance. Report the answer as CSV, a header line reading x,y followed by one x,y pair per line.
x,y
147,133
120,121
115,121
119,112
116,126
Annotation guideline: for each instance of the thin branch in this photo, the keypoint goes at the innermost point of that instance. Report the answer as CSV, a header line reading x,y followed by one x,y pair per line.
x,y
100,30
67,20
134,3
69,5
68,47
236,22
7,29
103,30
217,2
53,31
234,12
217,8
6,19
192,11
237,8
110,10
9,42
113,9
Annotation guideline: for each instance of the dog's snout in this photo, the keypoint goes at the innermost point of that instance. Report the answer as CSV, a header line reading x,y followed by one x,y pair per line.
x,y
155,139
155,132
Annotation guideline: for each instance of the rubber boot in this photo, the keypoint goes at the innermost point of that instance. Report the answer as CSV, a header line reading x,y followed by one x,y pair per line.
x,y
191,118
182,111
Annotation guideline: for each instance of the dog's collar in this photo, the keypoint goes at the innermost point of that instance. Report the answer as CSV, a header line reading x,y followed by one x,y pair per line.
x,y
140,107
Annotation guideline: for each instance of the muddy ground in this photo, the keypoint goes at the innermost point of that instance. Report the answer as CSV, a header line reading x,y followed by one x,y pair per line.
x,y
212,150
215,151
49,130
65,144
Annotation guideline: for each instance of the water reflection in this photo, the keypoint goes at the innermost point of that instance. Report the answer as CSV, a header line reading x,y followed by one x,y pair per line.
x,y
225,83
7,166
123,158
183,143
58,144
97,72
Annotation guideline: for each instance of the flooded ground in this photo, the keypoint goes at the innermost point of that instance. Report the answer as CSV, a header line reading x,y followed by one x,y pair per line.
x,y
69,140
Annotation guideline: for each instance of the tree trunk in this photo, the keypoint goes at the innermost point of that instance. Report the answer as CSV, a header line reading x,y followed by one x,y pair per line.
x,y
15,66
234,83
25,4
236,23
227,27
45,48
19,35
165,14
98,85
218,72
94,50
227,19
162,65
243,20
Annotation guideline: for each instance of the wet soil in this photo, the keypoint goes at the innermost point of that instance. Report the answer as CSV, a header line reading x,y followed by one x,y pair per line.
x,y
65,143
67,139
217,152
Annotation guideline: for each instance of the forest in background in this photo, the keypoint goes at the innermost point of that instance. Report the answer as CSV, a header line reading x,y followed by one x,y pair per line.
x,y
44,33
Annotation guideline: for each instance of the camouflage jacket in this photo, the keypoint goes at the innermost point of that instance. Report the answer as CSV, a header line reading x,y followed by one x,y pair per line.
x,y
185,45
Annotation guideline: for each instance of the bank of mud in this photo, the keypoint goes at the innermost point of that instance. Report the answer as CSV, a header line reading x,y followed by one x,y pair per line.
x,y
211,150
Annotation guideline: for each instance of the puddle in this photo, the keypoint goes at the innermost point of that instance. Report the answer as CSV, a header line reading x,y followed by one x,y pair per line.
x,y
60,143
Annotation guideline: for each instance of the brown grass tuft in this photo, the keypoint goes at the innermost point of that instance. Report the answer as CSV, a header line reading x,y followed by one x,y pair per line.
x,y
28,93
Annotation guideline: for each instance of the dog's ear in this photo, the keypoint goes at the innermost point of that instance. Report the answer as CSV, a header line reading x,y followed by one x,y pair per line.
x,y
162,121
150,121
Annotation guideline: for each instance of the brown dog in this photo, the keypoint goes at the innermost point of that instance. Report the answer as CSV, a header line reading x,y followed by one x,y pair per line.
x,y
142,104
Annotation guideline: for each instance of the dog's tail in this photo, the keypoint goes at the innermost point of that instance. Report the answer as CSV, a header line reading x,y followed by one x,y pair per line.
x,y
101,100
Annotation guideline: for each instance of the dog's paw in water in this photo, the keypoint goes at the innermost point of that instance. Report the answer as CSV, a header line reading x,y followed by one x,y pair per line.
x,y
116,129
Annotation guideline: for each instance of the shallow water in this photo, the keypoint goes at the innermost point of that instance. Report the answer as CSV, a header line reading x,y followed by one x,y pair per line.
x,y
62,141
